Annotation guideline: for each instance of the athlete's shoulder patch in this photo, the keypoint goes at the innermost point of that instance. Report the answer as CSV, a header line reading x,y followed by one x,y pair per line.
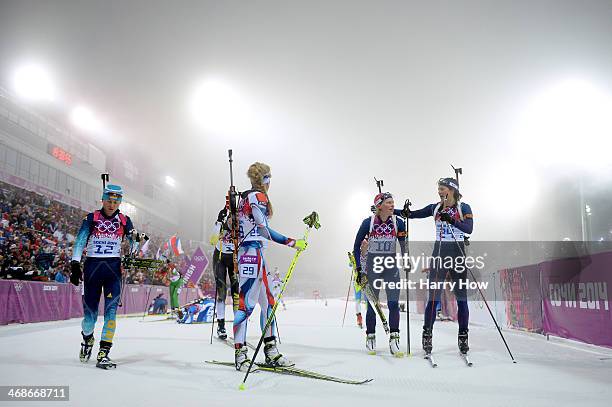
x,y
262,199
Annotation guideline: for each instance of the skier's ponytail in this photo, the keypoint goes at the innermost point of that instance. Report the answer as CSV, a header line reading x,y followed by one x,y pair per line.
x,y
256,174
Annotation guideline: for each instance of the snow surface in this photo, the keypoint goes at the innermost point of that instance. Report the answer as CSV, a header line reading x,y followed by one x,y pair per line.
x,y
162,363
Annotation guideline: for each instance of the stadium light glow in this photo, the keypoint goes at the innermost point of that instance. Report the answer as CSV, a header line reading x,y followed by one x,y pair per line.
x,y
83,118
569,123
516,178
33,82
217,106
170,181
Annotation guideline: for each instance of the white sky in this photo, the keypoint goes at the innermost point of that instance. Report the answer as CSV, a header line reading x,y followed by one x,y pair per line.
x,y
339,92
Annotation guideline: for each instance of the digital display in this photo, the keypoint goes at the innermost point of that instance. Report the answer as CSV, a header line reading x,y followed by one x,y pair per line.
x,y
60,154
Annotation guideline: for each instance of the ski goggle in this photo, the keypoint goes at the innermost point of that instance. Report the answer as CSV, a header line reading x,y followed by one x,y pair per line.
x,y
267,178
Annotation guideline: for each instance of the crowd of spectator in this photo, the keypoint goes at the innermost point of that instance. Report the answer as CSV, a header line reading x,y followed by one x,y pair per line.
x,y
37,235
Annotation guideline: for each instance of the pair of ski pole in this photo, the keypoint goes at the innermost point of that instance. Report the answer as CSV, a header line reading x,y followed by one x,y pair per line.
x,y
311,221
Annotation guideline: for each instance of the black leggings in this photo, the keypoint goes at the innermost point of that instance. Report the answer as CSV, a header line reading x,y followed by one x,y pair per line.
x,y
223,264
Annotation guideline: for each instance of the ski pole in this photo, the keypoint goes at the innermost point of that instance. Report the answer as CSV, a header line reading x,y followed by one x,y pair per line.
x,y
347,297
407,203
128,261
277,331
483,297
147,303
122,289
311,221
216,271
436,259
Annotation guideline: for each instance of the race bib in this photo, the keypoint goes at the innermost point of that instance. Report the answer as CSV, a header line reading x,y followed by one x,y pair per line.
x,y
381,245
444,232
105,239
248,266
103,248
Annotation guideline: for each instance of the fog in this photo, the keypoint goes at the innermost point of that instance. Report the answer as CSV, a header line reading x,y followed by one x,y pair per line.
x,y
333,94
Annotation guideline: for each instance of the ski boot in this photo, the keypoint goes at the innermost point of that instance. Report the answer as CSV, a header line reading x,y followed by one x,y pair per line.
x,y
104,362
241,359
86,347
273,356
394,345
427,340
221,332
371,344
462,340
359,321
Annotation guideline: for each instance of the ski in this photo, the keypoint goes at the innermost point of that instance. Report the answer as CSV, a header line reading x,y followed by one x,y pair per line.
x,y
370,295
398,355
431,360
293,371
310,374
232,364
466,359
158,320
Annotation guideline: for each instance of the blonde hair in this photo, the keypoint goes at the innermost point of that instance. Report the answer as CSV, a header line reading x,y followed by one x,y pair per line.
x,y
256,173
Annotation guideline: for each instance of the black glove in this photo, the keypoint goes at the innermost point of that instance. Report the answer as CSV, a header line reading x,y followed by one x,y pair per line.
x,y
222,214
75,272
406,209
445,217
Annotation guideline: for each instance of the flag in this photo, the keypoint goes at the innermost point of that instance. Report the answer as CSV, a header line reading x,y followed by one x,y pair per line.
x,y
173,246
145,248
164,249
175,243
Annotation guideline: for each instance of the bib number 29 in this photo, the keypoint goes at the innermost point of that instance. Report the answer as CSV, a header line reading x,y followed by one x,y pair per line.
x,y
248,270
